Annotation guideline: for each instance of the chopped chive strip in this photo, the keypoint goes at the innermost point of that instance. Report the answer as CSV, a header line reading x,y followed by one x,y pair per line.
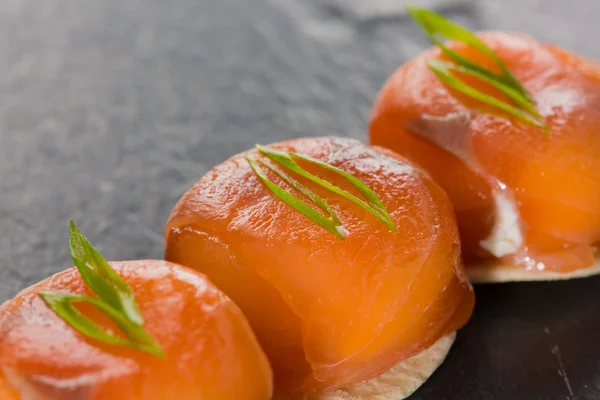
x,y
437,27
115,300
442,70
332,223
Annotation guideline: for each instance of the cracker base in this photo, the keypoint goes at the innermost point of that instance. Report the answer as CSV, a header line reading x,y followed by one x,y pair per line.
x,y
401,380
498,273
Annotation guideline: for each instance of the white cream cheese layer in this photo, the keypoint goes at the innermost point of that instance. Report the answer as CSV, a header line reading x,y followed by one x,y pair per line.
x,y
505,237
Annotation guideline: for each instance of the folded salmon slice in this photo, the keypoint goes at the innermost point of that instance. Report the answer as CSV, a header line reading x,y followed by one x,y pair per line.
x,y
211,352
550,180
328,311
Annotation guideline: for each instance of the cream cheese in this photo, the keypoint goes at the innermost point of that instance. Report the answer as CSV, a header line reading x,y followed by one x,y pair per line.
x,y
505,237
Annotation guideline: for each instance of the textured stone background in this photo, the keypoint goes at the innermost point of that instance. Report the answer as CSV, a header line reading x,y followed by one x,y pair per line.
x,y
111,109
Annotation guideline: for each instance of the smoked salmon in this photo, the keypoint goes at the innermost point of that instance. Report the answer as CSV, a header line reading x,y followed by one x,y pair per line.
x,y
331,307
209,349
524,196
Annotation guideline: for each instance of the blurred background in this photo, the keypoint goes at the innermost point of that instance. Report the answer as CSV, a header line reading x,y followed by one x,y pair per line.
x,y
111,109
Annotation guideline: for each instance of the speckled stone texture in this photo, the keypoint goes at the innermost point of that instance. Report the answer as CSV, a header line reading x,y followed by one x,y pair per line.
x,y
111,109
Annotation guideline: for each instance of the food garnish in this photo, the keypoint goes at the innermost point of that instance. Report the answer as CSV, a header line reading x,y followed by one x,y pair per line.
x,y
331,223
115,299
520,102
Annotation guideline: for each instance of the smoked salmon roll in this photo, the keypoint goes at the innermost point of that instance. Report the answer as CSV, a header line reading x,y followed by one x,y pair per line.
x,y
508,127
134,330
343,257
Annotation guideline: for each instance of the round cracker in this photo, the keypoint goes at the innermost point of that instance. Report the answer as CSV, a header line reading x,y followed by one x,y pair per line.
x,y
401,380
497,272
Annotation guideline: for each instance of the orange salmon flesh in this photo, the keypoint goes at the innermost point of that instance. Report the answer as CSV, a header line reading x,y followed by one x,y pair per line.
x,y
211,352
328,312
553,178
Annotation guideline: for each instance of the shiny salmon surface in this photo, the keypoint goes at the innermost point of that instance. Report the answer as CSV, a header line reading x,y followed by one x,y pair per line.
x,y
211,352
553,179
327,311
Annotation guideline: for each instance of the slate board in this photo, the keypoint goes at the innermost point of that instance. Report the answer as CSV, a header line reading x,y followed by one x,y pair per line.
x,y
111,109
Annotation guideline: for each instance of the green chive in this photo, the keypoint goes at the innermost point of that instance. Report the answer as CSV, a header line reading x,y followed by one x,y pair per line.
x,y
436,26
115,300
285,159
332,224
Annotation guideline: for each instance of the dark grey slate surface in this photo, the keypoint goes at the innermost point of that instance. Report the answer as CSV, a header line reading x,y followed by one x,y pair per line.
x,y
111,109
